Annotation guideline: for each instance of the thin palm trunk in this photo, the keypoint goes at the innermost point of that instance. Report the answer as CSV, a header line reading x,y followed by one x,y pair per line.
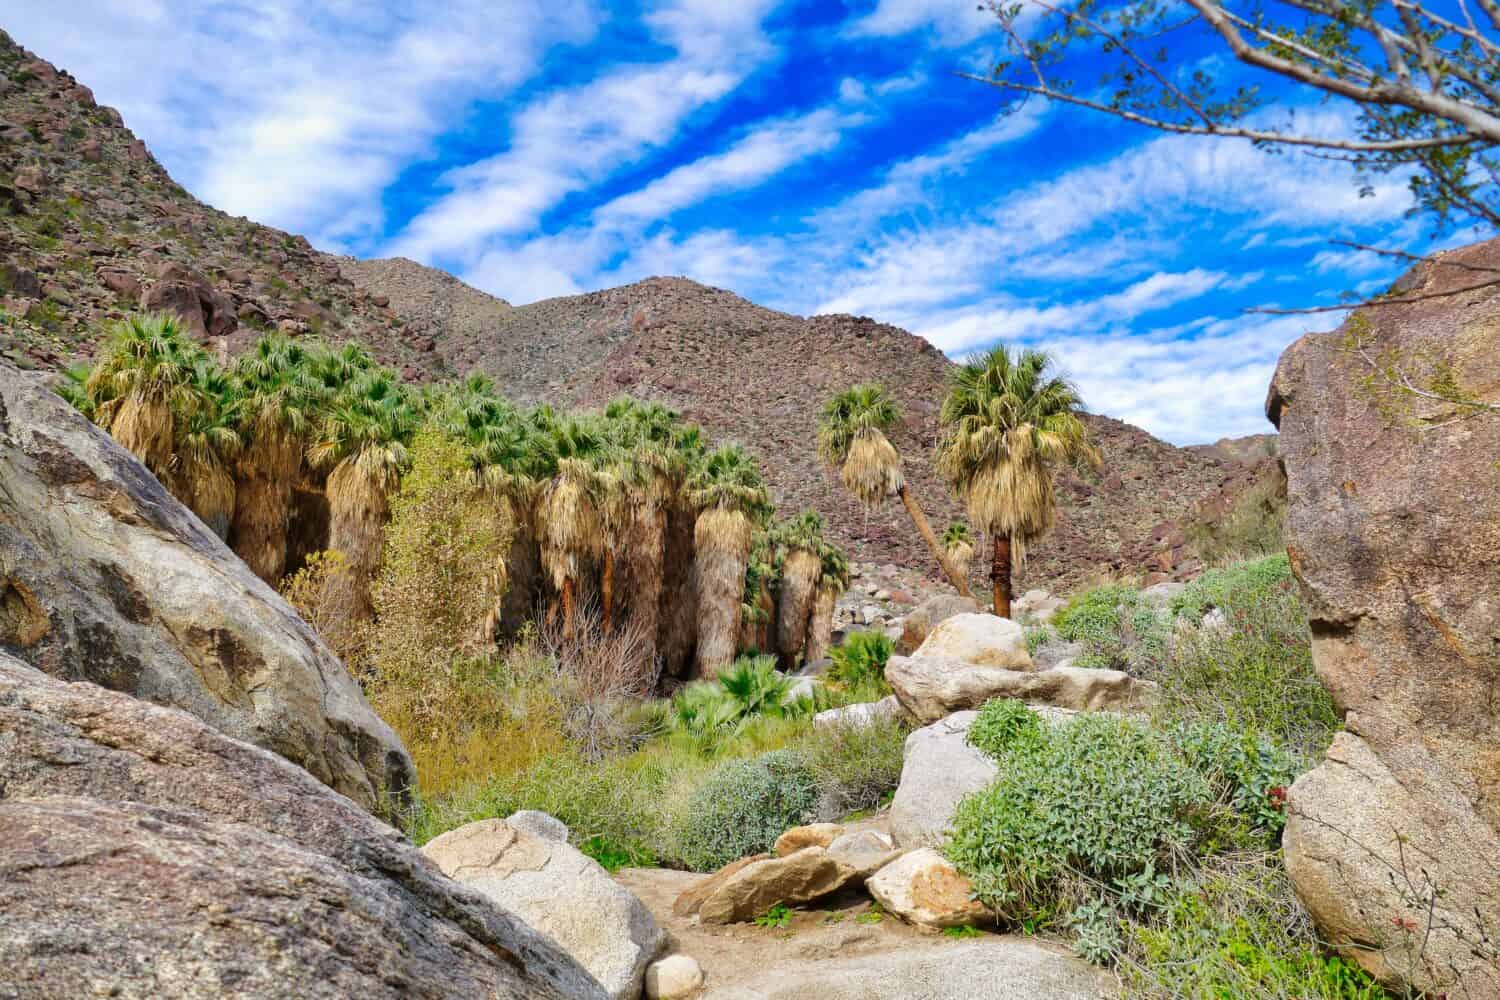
x,y
264,480
568,602
925,530
359,508
1000,575
722,539
607,591
820,625
799,582
678,618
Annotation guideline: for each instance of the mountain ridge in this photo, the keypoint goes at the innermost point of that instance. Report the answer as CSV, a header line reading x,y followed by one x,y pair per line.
x,y
93,227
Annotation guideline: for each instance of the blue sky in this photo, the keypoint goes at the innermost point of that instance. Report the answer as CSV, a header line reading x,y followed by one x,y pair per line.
x,y
812,156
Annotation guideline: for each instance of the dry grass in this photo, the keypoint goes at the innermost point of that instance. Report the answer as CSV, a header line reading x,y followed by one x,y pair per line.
x,y
872,469
600,673
722,538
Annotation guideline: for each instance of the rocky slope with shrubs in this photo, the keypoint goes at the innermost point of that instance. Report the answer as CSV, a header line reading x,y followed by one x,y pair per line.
x,y
92,227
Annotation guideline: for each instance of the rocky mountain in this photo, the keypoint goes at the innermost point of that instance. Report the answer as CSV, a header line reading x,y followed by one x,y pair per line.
x,y
92,227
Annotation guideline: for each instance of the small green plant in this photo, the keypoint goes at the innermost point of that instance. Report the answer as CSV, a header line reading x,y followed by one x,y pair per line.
x,y
962,932
1111,623
777,916
873,915
1001,723
860,662
613,857
744,806
1037,636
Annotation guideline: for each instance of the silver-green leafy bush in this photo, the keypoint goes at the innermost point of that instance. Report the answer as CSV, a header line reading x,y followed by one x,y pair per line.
x,y
744,806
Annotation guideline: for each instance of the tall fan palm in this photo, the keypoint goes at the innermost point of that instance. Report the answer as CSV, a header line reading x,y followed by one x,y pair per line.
x,y
206,441
833,580
1006,422
851,437
281,398
730,496
799,543
363,440
649,471
569,509
144,379
959,545
678,616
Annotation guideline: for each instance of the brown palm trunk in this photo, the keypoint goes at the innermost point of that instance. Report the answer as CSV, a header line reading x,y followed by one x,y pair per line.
x,y
1000,575
567,607
607,591
925,530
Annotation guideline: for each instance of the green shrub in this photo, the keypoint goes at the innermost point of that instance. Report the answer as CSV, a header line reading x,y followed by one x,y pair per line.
x,y
1233,930
744,806
1099,799
855,767
715,713
1001,723
1249,775
860,662
1037,636
1256,671
1118,631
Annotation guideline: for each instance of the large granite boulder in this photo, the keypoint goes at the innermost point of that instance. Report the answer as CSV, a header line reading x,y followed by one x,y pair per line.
x,y
983,640
939,769
144,854
105,577
919,623
561,892
749,890
1390,435
929,688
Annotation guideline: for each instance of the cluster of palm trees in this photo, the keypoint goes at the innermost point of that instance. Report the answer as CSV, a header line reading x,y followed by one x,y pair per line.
x,y
1007,422
627,513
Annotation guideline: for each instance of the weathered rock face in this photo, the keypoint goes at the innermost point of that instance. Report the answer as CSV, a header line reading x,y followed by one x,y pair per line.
x,y
105,577
862,713
561,892
1002,969
940,768
752,889
1393,528
812,835
923,888
142,851
930,688
917,626
982,640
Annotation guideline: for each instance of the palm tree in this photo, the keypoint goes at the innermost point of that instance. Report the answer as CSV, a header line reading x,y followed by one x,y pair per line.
x,y
280,404
363,440
833,580
1006,422
851,437
569,515
205,443
650,471
959,545
758,606
678,615
143,380
728,492
798,542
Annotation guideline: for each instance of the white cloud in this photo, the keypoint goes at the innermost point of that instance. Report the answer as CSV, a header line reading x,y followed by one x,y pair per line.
x,y
298,116
952,21
568,140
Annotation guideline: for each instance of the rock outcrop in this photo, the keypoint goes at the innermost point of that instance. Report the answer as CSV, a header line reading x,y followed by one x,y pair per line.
x,y
939,769
982,640
744,891
1390,435
918,625
144,854
559,891
923,888
105,577
930,689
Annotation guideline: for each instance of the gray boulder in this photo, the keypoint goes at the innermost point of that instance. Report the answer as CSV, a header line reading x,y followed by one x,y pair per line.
x,y
561,892
930,689
940,768
925,617
105,577
143,852
860,713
